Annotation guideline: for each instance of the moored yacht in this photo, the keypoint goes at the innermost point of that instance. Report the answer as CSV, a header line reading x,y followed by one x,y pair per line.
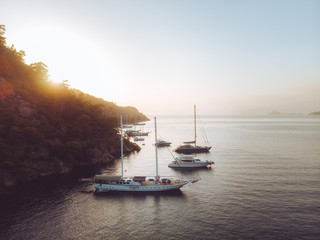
x,y
137,139
138,133
187,148
189,161
163,143
106,183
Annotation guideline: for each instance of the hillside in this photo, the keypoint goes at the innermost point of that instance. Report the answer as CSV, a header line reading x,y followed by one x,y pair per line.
x,y
48,128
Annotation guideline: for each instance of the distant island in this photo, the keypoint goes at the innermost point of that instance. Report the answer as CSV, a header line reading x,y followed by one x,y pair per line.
x,y
280,113
314,113
48,128
290,114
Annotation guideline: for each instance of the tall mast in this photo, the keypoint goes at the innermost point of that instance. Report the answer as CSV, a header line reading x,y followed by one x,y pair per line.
x,y
155,132
121,147
195,127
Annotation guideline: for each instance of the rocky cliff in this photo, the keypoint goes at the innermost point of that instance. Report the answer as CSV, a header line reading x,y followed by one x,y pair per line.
x,y
48,128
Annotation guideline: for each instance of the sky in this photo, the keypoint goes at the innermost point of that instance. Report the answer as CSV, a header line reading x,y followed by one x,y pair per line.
x,y
225,56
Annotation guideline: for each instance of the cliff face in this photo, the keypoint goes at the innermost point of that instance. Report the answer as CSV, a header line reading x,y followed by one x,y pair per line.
x,y
33,144
48,128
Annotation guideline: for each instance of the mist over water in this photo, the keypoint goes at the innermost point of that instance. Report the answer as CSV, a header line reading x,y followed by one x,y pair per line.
x,y
264,185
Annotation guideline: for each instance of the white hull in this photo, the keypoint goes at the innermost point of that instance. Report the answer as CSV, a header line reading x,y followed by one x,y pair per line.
x,y
188,161
188,165
137,139
138,188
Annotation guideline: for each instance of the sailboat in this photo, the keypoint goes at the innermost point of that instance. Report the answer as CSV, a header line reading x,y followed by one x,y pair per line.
x,y
187,148
106,183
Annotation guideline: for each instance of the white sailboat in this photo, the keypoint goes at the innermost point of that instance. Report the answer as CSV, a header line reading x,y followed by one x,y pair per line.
x,y
187,148
106,183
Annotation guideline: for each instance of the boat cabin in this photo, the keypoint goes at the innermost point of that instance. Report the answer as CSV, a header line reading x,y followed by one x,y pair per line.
x,y
115,179
188,159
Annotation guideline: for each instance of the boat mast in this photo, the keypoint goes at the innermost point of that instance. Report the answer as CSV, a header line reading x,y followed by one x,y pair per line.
x,y
121,147
155,132
195,127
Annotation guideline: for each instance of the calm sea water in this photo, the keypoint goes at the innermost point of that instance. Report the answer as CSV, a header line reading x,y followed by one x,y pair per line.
x,y
265,184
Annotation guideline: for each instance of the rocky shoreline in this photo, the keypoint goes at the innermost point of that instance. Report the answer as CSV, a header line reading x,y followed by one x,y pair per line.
x,y
11,181
49,129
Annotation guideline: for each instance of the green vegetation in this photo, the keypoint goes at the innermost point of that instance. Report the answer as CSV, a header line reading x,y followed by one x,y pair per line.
x,y
48,128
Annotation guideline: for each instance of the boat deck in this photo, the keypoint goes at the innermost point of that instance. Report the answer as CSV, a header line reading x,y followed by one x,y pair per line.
x,y
152,183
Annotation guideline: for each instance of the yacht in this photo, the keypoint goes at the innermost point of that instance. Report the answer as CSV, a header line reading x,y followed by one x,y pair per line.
x,y
139,123
187,148
188,161
137,139
138,133
127,126
106,183
163,143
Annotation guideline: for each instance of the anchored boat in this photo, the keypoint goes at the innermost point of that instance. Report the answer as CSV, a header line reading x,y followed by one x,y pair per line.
x,y
163,143
189,161
187,148
106,183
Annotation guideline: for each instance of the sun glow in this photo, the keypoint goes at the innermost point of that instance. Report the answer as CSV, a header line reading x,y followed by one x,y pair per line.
x,y
142,57
70,56
56,81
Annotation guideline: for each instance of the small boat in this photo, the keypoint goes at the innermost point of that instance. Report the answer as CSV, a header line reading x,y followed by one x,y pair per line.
x,y
137,139
106,183
138,133
129,131
188,161
139,124
162,143
135,133
187,148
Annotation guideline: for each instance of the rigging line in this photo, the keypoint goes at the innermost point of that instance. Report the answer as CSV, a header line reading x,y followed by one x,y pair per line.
x,y
204,133
178,163
170,152
182,169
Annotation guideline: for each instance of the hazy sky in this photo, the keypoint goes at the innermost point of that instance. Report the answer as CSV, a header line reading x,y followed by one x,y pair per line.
x,y
228,57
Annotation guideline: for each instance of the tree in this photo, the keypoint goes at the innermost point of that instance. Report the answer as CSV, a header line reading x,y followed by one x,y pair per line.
x,y
66,83
2,32
41,69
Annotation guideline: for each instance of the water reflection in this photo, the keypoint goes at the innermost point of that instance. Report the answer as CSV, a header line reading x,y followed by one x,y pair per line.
x,y
140,195
194,170
258,183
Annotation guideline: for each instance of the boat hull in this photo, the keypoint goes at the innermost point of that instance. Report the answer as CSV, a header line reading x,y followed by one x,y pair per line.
x,y
192,150
139,134
163,145
191,165
137,188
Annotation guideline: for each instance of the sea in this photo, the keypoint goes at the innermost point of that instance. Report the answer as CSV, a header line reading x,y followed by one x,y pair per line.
x,y
264,184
